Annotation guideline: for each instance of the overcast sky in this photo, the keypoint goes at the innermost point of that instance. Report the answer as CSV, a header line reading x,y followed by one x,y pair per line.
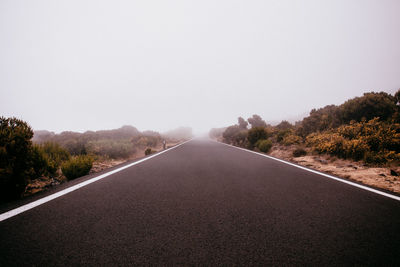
x,y
89,65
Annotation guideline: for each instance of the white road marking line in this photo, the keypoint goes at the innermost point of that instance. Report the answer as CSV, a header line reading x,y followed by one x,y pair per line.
x,y
16,211
320,173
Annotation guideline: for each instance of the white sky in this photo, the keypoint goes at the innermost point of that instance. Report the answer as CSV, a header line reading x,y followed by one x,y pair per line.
x,y
89,65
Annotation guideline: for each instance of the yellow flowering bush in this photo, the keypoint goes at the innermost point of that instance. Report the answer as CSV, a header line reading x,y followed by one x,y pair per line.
x,y
292,139
373,141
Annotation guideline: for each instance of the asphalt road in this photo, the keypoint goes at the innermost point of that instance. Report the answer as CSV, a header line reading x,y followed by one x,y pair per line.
x,y
205,203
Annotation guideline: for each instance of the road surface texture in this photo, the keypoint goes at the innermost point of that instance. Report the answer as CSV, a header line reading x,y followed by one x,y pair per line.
x,y
206,203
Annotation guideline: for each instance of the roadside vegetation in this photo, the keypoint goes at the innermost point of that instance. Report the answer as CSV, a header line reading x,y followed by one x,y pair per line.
x,y
77,166
365,128
31,161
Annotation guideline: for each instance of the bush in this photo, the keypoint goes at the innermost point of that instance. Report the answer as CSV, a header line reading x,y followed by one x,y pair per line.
x,y
381,157
255,134
77,166
148,151
54,155
282,134
330,143
111,148
292,139
15,157
373,141
40,162
299,152
264,145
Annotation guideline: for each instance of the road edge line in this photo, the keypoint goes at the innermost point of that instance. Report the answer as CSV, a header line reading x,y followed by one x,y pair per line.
x,y
318,172
11,213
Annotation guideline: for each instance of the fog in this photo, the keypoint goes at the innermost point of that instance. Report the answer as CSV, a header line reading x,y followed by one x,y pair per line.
x,y
89,65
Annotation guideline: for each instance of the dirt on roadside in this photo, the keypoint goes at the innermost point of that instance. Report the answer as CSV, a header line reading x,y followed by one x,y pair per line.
x,y
379,177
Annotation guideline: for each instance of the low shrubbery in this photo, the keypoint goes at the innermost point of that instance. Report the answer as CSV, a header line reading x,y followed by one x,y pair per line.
x,y
299,152
108,148
148,151
281,134
264,145
364,128
48,158
255,134
22,161
292,139
77,166
147,140
373,141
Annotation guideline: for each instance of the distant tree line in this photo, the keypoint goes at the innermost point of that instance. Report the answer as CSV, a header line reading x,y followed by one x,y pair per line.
x,y
115,144
363,128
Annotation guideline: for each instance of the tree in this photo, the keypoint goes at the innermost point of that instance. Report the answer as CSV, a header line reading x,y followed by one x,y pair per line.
x,y
284,125
242,123
320,120
256,121
216,133
396,116
369,106
15,157
235,135
397,97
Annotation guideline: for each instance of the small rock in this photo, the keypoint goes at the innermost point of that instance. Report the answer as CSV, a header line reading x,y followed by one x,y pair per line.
x,y
382,174
393,173
322,161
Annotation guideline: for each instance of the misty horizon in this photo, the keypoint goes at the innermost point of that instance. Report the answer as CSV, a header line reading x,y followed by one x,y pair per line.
x,y
156,65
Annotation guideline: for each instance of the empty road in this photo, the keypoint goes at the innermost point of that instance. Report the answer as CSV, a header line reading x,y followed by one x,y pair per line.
x,y
205,203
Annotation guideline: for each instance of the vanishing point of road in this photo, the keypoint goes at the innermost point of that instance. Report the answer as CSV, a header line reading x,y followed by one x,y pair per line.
x,y
205,203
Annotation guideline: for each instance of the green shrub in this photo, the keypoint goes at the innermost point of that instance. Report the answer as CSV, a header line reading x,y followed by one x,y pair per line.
x,y
55,152
255,134
77,166
282,134
299,152
15,157
40,162
148,151
54,155
264,145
